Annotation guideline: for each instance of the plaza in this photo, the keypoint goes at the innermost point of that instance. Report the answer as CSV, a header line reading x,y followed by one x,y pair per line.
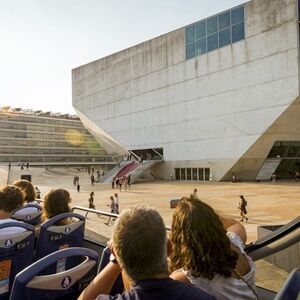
x,y
268,204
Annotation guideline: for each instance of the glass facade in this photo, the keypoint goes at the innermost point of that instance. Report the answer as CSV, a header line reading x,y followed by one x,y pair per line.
x,y
34,138
215,32
285,149
201,174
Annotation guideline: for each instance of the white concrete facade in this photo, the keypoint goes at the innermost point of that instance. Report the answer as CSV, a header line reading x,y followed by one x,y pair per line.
x,y
204,112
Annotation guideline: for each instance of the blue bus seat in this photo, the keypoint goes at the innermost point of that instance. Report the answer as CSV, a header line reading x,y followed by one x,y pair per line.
x,y
54,237
16,252
118,286
29,284
31,214
291,287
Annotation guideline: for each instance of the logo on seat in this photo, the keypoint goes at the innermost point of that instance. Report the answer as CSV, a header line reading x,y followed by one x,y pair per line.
x,y
28,217
8,243
67,229
66,282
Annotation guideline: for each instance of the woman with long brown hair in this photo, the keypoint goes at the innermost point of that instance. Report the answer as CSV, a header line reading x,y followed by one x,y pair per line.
x,y
208,252
56,202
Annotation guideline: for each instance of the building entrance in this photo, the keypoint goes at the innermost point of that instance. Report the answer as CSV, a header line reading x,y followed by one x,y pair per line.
x,y
288,168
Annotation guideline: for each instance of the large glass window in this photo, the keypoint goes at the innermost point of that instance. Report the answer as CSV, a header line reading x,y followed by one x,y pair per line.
x,y
212,25
224,37
202,174
201,177
190,34
237,15
285,149
224,20
182,174
188,174
212,42
207,174
215,32
190,50
195,174
238,32
200,30
201,46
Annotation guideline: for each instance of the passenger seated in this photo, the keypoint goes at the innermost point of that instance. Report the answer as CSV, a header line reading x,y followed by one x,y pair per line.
x,y
29,198
11,198
56,201
140,246
208,252
61,229
28,189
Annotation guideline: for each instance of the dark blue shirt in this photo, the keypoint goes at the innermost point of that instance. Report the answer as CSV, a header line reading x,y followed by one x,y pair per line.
x,y
161,289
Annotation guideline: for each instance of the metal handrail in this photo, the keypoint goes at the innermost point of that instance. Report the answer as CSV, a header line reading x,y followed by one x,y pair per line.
x,y
104,213
95,211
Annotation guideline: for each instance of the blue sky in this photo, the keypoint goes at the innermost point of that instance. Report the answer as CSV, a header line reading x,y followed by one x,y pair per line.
x,y
41,41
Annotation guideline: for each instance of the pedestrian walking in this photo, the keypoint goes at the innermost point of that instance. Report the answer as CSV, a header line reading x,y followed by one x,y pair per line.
x,y
92,179
119,183
125,182
242,207
194,194
112,208
129,180
116,201
113,183
91,204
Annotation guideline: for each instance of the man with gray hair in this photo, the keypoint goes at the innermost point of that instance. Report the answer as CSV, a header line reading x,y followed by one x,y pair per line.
x,y
140,248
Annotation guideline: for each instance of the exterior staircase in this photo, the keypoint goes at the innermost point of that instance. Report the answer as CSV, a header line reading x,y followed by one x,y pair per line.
x,y
142,168
107,178
119,172
268,168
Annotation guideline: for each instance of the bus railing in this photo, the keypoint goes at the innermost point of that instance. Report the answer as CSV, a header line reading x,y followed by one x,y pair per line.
x,y
95,211
101,212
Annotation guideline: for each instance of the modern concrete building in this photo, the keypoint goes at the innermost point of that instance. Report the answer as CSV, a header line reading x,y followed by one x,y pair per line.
x,y
216,97
47,139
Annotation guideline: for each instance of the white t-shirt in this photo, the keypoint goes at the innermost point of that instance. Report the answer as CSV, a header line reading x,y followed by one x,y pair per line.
x,y
227,287
10,230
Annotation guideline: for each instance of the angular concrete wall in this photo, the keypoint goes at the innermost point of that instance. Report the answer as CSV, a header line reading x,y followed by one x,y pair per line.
x,y
285,128
204,112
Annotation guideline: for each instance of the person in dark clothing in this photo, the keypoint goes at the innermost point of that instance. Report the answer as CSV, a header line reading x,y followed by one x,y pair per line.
x,y
242,208
129,180
78,187
139,250
92,179
113,183
91,204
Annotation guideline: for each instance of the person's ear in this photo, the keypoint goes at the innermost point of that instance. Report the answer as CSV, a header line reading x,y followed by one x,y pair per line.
x,y
169,247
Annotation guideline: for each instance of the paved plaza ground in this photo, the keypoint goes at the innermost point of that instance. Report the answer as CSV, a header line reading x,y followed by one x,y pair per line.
x,y
268,203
